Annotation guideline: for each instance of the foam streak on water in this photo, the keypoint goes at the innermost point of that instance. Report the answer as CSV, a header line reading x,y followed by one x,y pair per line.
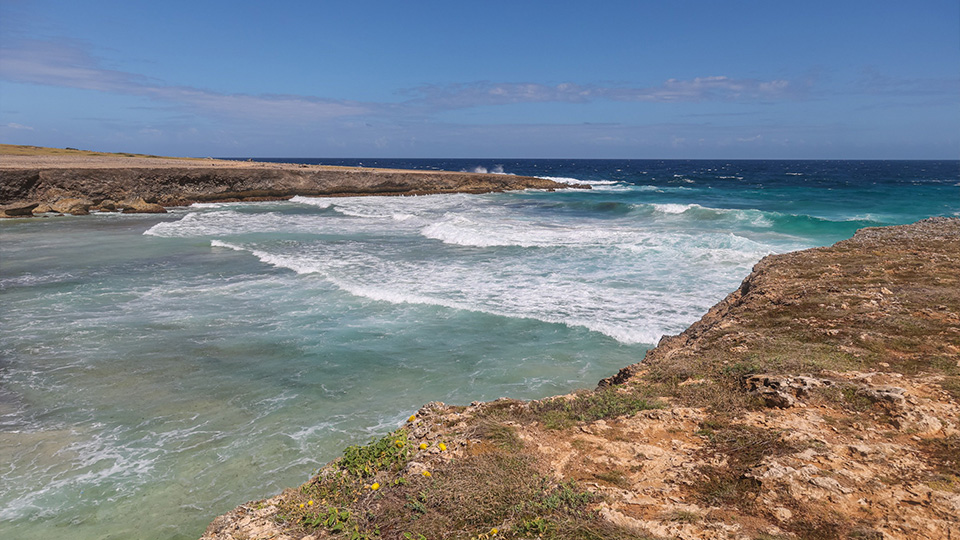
x,y
158,370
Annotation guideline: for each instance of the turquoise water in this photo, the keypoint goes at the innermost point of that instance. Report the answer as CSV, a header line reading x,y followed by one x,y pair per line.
x,y
159,370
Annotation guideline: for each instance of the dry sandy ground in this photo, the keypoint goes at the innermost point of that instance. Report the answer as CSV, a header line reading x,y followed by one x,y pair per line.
x,y
8,161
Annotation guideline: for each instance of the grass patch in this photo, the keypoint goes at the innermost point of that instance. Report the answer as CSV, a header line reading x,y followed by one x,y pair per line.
x,y
952,386
943,454
494,486
611,402
613,478
745,447
499,434
390,453
496,490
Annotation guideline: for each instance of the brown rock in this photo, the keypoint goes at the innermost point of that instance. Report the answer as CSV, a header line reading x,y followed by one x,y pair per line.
x,y
72,205
139,206
107,205
179,185
17,209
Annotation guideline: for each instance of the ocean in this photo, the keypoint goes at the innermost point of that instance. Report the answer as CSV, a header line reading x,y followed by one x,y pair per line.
x,y
158,370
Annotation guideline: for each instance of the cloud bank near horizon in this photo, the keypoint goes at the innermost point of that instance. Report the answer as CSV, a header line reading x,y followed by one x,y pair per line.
x,y
71,66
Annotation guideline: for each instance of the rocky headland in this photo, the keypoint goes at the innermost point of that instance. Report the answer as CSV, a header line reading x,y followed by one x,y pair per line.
x,y
819,400
36,180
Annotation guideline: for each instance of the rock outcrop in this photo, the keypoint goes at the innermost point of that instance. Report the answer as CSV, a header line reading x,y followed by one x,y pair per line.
x,y
71,205
18,209
819,400
136,205
175,186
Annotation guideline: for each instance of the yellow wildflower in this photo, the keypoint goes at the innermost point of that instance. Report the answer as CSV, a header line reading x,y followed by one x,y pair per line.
x,y
427,474
442,447
310,503
375,486
493,531
412,418
423,446
301,505
399,443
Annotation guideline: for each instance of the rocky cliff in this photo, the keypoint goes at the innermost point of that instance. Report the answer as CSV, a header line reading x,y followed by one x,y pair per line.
x,y
819,400
176,186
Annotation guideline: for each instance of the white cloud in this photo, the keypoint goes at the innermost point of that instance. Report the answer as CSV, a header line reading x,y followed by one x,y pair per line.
x,y
716,88
13,125
69,66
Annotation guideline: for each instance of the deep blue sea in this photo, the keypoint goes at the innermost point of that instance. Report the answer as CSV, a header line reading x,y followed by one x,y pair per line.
x,y
158,370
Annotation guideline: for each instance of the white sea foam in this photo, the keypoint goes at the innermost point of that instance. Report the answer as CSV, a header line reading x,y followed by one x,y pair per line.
x,y
607,299
671,208
577,181
594,273
206,206
497,169
319,202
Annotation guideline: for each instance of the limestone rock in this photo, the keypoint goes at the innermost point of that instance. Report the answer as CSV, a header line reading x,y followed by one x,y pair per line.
x,y
72,205
107,205
137,205
174,186
780,390
17,209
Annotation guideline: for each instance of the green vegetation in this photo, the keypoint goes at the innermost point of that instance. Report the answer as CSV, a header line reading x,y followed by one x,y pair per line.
x,y
493,490
390,453
611,402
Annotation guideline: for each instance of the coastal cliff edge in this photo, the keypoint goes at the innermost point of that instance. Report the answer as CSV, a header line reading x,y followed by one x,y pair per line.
x,y
821,399
78,182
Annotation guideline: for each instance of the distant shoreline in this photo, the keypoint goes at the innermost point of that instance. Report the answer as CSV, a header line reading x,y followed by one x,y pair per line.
x,y
34,180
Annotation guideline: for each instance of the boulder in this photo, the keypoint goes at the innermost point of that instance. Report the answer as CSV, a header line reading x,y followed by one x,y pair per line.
x,y
17,209
782,391
70,205
42,208
107,206
136,205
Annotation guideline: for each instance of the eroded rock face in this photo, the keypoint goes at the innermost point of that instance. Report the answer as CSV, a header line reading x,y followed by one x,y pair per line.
x,y
179,186
783,390
844,424
18,209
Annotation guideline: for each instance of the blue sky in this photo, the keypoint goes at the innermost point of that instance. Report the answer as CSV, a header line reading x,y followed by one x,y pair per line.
x,y
839,79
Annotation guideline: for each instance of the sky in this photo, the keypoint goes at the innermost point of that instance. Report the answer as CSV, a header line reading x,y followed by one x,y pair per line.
x,y
678,79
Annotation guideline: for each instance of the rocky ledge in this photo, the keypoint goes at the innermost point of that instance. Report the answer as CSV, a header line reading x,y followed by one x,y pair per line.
x,y
819,400
83,184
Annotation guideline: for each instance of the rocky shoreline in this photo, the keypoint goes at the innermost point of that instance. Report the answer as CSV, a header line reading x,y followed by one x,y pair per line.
x,y
79,184
821,399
